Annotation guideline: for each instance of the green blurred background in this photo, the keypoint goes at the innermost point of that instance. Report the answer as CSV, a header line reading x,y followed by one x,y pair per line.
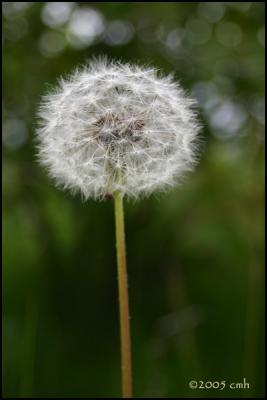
x,y
195,254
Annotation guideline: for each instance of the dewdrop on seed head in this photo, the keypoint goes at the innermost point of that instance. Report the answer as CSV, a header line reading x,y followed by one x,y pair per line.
x,y
117,127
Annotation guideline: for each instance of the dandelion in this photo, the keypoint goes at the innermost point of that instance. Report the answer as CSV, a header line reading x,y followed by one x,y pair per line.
x,y
120,130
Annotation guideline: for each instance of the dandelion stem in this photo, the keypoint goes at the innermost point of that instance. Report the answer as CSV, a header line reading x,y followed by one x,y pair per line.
x,y
126,368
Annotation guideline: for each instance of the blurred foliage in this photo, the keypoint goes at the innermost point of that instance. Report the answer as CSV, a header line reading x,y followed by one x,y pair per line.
x,y
195,254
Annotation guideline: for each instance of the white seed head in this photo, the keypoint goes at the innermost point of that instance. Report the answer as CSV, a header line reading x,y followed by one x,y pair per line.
x,y
117,127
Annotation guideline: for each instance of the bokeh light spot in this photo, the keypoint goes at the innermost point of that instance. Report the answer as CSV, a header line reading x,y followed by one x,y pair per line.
x,y
15,133
198,31
118,32
16,29
85,25
228,34
51,43
261,36
55,14
206,94
13,9
227,119
212,11
174,38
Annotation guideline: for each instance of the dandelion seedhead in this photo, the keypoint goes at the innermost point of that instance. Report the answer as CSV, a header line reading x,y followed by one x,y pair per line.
x,y
112,127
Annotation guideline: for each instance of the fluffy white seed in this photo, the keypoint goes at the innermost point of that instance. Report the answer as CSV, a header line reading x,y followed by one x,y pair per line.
x,y
117,127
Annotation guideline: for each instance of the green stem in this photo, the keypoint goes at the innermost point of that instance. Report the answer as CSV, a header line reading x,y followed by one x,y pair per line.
x,y
126,368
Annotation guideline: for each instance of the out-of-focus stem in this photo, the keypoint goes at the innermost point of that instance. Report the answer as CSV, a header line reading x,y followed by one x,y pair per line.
x,y
29,347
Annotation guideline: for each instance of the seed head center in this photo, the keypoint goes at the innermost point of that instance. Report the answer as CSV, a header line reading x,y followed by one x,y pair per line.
x,y
111,128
